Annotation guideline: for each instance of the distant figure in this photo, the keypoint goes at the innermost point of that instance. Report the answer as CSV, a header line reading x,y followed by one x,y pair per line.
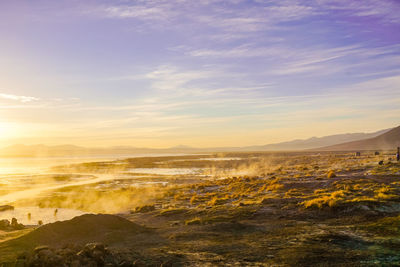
x,y
40,222
380,162
55,212
377,153
14,222
29,216
398,154
358,154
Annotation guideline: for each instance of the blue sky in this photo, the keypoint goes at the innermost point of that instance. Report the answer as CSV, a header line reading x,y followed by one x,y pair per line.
x,y
160,73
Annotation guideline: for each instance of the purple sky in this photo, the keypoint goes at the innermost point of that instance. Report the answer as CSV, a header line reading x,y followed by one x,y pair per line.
x,y
201,73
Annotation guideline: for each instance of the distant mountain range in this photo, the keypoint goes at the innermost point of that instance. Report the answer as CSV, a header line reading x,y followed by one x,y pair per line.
x,y
316,142
384,139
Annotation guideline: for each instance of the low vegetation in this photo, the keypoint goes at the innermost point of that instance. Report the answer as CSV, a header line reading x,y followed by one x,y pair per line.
x,y
328,209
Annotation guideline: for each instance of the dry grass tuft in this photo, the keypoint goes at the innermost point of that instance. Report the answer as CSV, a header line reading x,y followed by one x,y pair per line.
x,y
331,174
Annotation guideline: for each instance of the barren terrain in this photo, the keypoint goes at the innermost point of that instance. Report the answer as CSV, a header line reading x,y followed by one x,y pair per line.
x,y
238,209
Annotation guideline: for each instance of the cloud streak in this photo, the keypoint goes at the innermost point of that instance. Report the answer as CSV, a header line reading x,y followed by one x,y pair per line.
x,y
18,98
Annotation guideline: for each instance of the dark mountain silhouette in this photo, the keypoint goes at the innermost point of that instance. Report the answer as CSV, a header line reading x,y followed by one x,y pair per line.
x,y
386,141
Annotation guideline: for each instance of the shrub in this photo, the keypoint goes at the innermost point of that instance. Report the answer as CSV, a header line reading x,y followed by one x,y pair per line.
x,y
193,199
275,187
316,202
194,221
328,200
173,211
146,208
216,201
331,174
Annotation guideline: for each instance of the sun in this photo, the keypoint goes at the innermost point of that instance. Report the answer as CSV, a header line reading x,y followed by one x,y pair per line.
x,y
7,130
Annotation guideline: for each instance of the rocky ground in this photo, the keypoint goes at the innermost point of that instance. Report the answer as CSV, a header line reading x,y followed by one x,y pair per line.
x,y
293,209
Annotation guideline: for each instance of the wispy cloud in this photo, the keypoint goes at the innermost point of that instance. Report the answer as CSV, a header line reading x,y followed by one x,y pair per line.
x,y
19,98
240,17
385,10
137,11
170,78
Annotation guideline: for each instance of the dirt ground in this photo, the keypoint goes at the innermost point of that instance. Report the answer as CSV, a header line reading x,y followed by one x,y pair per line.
x,y
304,209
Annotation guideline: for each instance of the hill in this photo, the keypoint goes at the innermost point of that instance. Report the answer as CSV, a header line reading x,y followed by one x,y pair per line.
x,y
105,228
316,142
386,141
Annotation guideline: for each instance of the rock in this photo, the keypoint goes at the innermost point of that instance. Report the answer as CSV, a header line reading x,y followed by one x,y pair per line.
x,y
95,246
98,256
4,224
46,254
66,252
91,263
93,252
83,253
91,255
125,264
15,225
139,263
167,263
364,208
20,263
23,255
175,223
40,248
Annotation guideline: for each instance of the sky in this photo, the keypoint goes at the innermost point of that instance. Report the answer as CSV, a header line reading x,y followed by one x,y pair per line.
x,y
206,73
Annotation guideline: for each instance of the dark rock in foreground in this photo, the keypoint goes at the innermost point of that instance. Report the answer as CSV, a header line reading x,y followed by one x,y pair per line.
x,y
92,254
86,233
84,229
